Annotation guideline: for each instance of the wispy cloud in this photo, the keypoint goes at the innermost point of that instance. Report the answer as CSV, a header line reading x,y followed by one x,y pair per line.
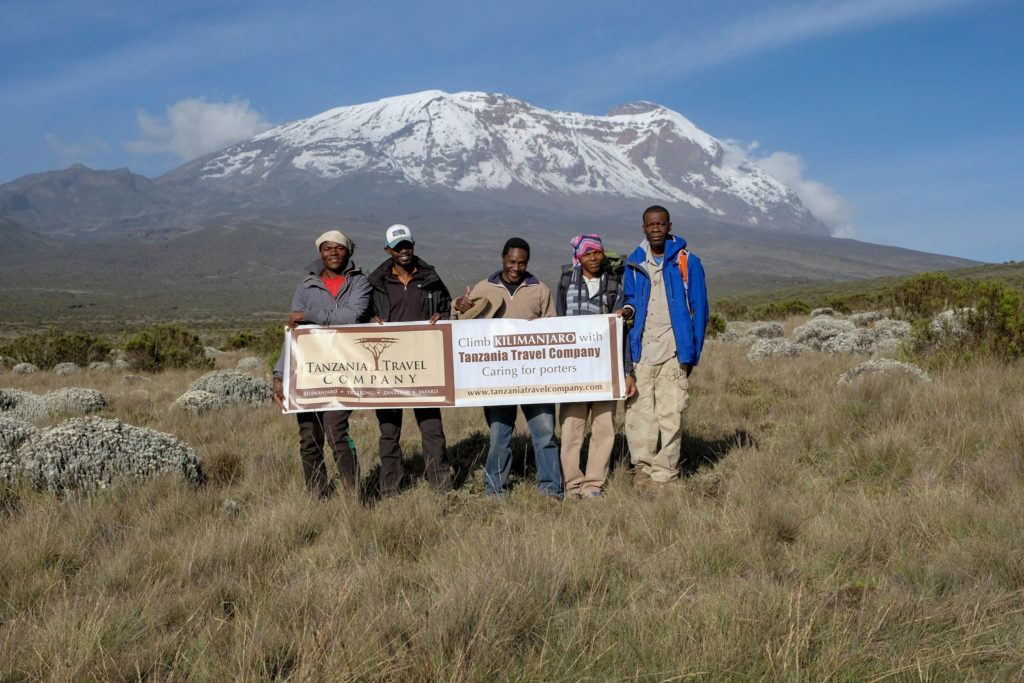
x,y
821,200
742,35
824,202
194,127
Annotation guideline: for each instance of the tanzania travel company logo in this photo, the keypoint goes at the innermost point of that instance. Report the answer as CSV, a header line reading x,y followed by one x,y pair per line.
x,y
376,346
542,339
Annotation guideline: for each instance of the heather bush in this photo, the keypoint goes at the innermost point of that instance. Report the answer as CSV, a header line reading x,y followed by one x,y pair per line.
x,y
166,346
263,342
781,310
47,349
235,387
991,326
716,325
924,295
90,453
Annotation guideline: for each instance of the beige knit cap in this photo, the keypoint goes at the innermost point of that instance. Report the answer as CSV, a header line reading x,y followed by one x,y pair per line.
x,y
336,236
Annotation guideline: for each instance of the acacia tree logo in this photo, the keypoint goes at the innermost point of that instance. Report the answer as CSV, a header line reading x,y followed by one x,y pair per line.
x,y
376,346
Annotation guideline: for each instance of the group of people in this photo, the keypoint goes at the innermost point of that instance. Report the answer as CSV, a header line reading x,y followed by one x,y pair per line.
x,y
659,292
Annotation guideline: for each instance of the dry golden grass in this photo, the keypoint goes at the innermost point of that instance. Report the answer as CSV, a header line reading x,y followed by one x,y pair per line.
x,y
866,532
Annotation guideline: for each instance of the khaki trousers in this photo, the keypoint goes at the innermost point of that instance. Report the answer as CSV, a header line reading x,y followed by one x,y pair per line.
x,y
573,419
662,395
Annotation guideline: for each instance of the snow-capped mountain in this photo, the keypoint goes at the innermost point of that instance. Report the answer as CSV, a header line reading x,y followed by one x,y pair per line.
x,y
474,143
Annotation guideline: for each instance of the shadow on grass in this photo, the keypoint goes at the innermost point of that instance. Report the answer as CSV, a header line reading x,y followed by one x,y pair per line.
x,y
697,452
468,455
465,456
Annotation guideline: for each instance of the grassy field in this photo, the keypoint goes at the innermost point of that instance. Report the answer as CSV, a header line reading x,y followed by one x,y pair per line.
x,y
863,532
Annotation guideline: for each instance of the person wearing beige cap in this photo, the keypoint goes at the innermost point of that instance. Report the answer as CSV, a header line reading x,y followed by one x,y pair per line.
x,y
334,292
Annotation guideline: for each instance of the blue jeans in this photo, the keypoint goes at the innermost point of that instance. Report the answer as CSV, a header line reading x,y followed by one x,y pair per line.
x,y
540,417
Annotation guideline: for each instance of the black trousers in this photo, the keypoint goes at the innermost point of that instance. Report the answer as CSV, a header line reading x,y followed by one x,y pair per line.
x,y
434,449
314,427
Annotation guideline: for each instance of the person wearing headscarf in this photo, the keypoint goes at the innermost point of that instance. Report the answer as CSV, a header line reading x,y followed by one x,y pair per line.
x,y
592,287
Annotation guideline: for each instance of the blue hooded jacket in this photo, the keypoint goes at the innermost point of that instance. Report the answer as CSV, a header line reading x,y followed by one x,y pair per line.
x,y
687,305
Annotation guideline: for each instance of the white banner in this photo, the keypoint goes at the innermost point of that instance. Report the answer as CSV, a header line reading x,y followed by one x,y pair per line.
x,y
454,363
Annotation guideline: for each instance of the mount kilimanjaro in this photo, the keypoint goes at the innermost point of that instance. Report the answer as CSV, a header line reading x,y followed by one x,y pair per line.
x,y
431,150
465,170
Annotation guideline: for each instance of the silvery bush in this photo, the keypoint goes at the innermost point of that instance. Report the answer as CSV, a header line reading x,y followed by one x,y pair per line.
x,y
816,331
75,401
822,311
250,363
23,405
884,365
13,433
64,369
769,330
235,386
772,348
90,453
856,340
99,366
866,318
24,369
951,322
198,402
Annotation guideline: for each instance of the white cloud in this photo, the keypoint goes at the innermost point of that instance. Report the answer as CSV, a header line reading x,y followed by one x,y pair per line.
x,y
77,151
195,127
821,200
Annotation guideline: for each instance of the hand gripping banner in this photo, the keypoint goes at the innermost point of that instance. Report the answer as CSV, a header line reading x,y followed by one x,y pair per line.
x,y
454,363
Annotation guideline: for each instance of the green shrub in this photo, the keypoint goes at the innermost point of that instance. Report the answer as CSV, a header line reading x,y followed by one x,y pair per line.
x,y
47,349
264,342
840,306
781,310
991,328
716,325
166,346
732,310
924,295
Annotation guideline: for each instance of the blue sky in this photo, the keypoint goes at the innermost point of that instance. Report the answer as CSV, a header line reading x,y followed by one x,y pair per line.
x,y
898,121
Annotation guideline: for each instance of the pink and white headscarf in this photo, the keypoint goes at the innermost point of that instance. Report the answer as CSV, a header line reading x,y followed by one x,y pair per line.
x,y
581,244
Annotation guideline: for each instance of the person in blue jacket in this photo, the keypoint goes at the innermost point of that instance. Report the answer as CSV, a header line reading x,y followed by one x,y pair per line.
x,y
667,299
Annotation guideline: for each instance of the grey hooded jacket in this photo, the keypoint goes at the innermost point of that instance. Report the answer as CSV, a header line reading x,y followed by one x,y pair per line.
x,y
320,307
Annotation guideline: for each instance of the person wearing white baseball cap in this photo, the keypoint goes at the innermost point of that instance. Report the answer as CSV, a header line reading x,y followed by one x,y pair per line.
x,y
405,288
397,234
334,292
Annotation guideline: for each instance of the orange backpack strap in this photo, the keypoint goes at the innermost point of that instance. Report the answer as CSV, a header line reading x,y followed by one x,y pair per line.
x,y
683,254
